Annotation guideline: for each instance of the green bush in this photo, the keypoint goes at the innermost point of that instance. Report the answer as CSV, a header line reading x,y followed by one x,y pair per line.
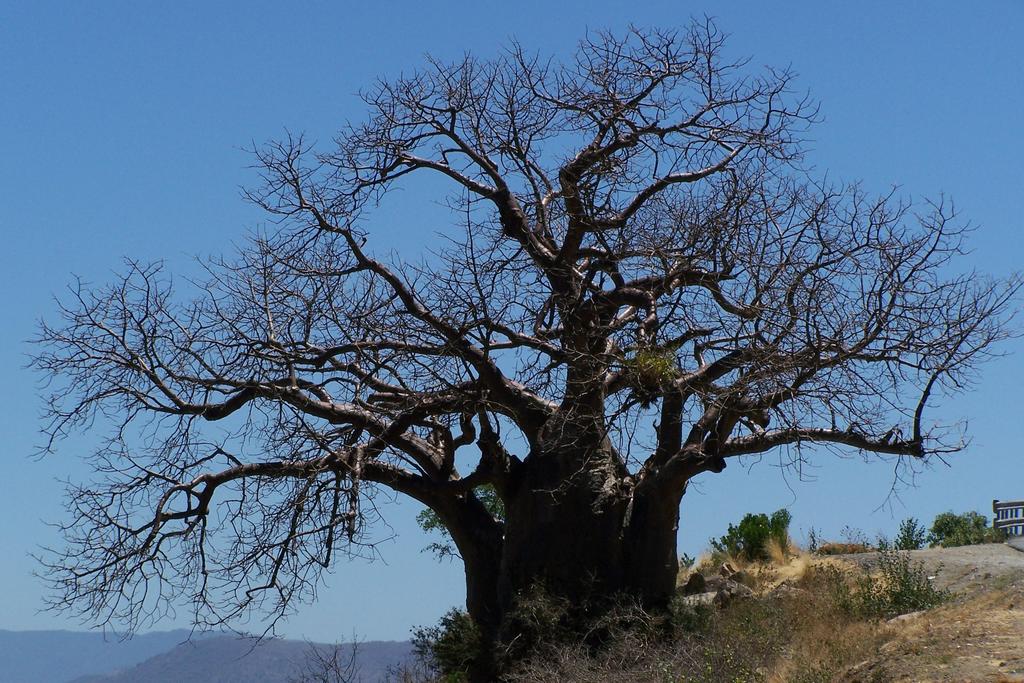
x,y
450,648
750,539
686,561
969,528
910,536
690,618
892,586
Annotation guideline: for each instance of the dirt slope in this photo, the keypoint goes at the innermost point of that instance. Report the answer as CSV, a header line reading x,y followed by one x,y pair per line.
x,y
977,637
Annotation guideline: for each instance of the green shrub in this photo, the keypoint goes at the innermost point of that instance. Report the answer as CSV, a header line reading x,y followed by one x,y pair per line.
x,y
690,618
969,528
892,586
750,539
686,561
910,536
449,648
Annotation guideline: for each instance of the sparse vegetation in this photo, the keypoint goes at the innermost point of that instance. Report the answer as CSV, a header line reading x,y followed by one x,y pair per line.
x,y
335,664
893,585
814,540
854,536
809,620
794,631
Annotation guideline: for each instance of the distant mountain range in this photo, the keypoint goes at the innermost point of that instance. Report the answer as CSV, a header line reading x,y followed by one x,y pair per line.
x,y
172,657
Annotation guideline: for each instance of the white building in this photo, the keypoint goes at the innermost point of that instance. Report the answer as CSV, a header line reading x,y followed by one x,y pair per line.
x,y
1009,516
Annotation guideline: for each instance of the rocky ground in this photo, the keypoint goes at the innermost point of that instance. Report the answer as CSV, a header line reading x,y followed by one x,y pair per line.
x,y
979,636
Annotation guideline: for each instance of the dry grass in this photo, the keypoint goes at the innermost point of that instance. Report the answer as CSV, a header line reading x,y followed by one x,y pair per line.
x,y
823,648
779,552
844,549
795,634
787,562
797,629
788,568
974,639
798,638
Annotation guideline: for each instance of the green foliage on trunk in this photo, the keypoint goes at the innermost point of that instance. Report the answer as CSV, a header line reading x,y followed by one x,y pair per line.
x,y
431,523
654,366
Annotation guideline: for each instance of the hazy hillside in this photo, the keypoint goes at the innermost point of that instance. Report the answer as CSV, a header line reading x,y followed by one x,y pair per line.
x,y
225,659
166,657
59,656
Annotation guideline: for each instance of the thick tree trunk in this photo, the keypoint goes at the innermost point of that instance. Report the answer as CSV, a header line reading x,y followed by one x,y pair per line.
x,y
564,529
580,529
650,533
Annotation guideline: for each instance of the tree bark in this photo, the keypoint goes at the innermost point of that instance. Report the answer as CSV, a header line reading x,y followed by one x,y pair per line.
x,y
577,527
582,531
563,529
650,535
478,538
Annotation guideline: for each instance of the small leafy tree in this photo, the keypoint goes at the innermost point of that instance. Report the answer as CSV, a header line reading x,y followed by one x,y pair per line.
x,y
910,536
969,528
750,539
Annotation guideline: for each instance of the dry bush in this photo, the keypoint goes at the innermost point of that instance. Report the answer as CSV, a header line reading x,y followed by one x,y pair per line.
x,y
844,549
891,585
779,550
742,643
797,633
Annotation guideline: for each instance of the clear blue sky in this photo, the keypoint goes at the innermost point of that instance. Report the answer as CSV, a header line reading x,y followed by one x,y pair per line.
x,y
121,125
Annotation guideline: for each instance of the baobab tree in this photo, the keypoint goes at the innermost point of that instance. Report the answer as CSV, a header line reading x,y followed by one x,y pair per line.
x,y
640,282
